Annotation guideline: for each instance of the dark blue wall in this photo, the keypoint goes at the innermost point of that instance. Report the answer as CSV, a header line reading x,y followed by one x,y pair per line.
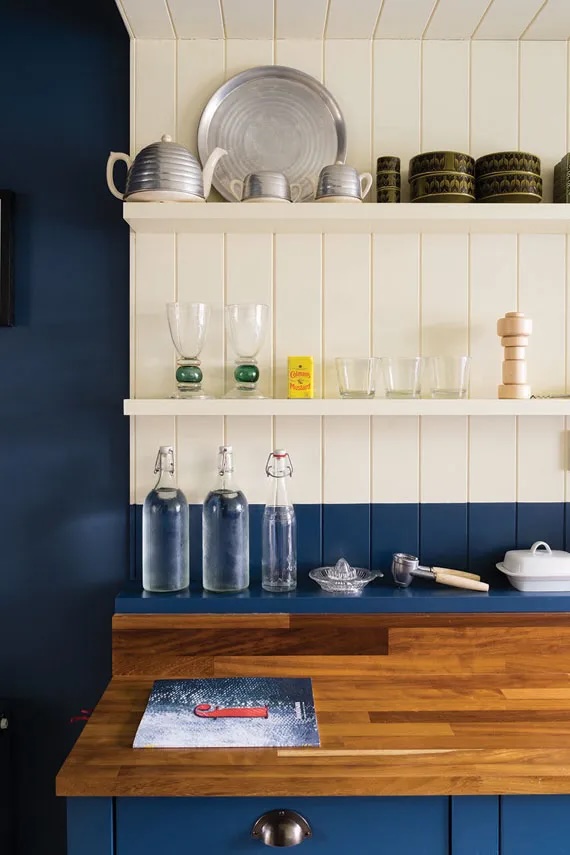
x,y
64,84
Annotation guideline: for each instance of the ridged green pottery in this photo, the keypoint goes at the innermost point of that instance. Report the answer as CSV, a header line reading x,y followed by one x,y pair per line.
x,y
388,194
510,187
443,187
507,161
430,162
387,179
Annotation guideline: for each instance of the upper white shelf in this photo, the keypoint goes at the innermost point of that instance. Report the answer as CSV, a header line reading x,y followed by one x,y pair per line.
x,y
367,218
339,407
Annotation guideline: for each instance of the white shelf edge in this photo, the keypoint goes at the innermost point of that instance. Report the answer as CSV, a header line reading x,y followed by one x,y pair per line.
x,y
338,407
366,218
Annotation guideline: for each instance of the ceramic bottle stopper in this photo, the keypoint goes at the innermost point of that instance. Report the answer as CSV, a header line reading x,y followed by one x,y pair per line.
x,y
514,331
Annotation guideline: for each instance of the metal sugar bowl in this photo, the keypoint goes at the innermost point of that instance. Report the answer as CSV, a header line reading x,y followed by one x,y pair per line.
x,y
164,171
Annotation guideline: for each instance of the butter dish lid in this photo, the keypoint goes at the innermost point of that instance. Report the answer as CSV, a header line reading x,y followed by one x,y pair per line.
x,y
539,559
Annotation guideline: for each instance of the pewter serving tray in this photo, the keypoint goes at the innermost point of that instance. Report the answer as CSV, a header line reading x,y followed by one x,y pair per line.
x,y
272,118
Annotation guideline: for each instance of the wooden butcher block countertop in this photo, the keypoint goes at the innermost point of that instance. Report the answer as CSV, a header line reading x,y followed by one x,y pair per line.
x,y
406,705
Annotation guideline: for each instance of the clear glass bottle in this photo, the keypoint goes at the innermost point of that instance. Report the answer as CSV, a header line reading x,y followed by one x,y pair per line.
x,y
225,532
165,531
279,535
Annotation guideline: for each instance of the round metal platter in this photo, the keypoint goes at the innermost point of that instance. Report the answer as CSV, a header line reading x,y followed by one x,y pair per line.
x,y
272,118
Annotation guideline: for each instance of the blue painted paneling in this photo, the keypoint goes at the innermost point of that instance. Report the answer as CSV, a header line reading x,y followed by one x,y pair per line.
x,y
541,521
346,534
473,536
443,535
90,827
406,826
535,825
64,103
475,825
395,528
492,531
309,539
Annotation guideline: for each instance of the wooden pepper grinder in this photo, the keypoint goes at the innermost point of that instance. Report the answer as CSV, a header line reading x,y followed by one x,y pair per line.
x,y
514,330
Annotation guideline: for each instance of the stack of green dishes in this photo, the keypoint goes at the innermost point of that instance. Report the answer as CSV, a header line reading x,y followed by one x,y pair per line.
x,y
562,180
442,176
388,179
508,176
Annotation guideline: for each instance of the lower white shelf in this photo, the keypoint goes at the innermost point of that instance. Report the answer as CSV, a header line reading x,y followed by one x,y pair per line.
x,y
343,407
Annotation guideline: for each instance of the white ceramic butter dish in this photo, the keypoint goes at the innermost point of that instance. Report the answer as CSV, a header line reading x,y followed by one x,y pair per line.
x,y
539,568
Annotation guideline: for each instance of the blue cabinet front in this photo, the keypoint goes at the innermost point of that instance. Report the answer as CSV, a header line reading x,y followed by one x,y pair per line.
x,y
340,826
535,825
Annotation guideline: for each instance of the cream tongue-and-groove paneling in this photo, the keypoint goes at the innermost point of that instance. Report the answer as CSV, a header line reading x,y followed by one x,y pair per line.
x,y
404,19
346,19
300,19
508,20
551,23
455,19
351,294
196,19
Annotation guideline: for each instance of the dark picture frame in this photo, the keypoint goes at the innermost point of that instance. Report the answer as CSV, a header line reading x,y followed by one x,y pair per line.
x,y
6,258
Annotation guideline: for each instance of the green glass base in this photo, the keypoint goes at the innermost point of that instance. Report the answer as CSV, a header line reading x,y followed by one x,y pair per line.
x,y
189,374
246,374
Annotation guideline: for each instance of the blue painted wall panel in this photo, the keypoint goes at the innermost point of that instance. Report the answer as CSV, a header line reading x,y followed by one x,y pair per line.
x,y
541,521
443,535
492,531
395,528
466,536
346,534
64,103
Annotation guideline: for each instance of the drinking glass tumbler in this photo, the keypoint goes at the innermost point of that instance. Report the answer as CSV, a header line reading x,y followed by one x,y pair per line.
x,y
402,376
449,376
356,377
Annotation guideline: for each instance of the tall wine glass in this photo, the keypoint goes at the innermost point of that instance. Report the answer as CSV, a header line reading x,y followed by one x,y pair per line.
x,y
188,323
247,327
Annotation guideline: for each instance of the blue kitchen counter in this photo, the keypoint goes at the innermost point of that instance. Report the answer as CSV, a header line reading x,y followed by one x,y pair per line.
x,y
308,599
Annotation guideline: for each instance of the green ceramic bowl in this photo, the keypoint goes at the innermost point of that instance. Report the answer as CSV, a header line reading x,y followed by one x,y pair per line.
x,y
510,187
441,161
443,187
507,161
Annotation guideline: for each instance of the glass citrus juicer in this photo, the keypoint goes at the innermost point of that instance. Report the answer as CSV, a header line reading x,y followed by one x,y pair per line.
x,y
188,323
246,324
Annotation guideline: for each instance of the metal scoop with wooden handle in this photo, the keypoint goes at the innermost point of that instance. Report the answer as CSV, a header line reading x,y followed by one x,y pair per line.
x,y
405,568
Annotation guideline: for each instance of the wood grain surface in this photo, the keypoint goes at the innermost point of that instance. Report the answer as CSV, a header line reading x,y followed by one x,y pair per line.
x,y
190,645
433,705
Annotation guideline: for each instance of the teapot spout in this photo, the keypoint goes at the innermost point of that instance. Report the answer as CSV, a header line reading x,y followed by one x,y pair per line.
x,y
209,167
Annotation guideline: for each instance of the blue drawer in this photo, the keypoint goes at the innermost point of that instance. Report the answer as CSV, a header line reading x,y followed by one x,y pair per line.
x,y
221,826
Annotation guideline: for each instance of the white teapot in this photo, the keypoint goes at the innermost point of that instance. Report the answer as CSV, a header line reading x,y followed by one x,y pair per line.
x,y
164,171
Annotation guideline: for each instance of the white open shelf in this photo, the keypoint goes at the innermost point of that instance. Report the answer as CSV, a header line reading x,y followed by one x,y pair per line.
x,y
345,218
340,407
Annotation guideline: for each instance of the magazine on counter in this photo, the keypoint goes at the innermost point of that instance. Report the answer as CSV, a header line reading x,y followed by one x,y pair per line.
x,y
229,712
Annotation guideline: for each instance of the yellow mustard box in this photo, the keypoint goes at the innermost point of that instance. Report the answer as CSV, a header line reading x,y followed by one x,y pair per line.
x,y
300,377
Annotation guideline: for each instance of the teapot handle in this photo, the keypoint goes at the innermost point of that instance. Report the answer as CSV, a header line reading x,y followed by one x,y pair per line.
x,y
113,158
365,184
236,186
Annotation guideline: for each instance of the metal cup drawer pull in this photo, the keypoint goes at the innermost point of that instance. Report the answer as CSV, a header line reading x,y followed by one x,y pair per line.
x,y
281,828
